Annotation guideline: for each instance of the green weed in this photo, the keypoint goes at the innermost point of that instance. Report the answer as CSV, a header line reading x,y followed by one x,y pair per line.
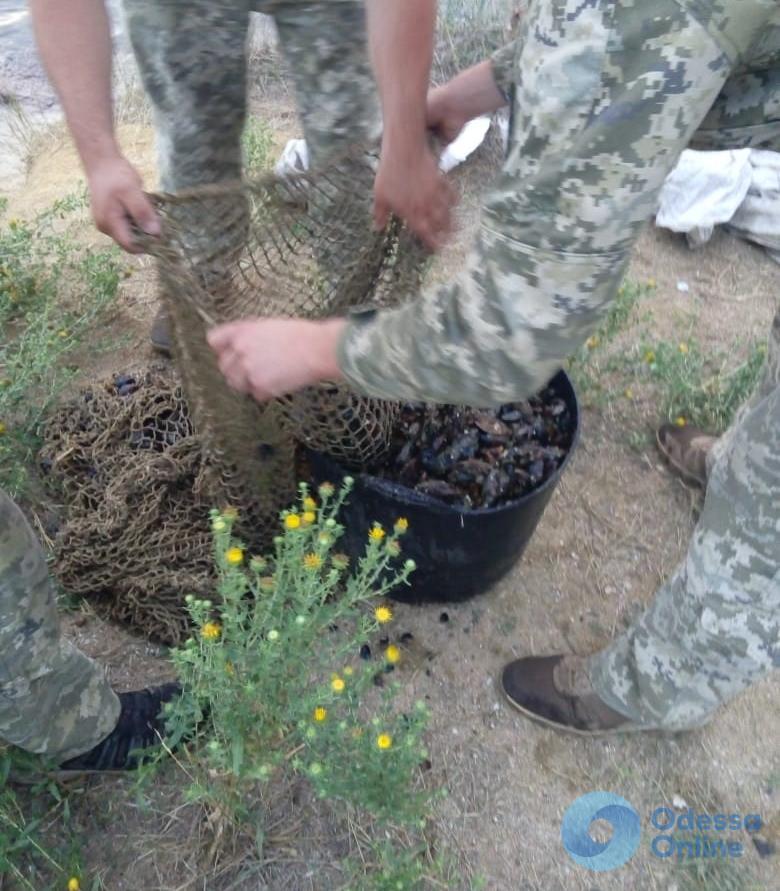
x,y
51,292
25,856
257,141
714,874
700,388
591,364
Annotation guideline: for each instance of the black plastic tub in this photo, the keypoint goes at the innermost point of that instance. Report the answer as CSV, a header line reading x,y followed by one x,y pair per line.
x,y
459,553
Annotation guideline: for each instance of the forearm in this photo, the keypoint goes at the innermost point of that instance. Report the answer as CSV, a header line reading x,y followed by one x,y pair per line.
x,y
74,41
470,94
401,41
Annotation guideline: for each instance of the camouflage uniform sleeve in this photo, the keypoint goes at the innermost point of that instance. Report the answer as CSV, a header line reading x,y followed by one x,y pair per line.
x,y
607,95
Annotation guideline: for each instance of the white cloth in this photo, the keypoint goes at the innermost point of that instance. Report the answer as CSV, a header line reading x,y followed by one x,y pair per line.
x,y
740,189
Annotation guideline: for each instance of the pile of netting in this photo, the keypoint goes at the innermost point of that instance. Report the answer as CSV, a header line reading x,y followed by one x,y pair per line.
x,y
141,458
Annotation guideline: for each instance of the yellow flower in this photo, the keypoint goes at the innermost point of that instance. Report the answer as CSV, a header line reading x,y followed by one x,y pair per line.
x,y
680,421
320,714
628,393
383,614
377,533
74,884
337,684
651,283
384,741
234,556
210,631
308,517
592,342
401,525
63,333
649,357
292,521
312,562
392,654
309,503
349,671
684,349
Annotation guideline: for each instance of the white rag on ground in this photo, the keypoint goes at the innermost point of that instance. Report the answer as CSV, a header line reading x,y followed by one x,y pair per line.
x,y
739,189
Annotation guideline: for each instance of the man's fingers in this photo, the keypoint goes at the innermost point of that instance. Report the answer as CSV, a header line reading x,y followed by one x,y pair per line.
x,y
140,209
117,225
232,368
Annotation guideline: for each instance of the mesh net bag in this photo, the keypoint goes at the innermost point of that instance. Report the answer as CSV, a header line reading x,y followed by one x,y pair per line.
x,y
143,457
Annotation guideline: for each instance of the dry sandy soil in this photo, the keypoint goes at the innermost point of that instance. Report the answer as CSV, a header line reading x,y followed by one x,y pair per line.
x,y
616,526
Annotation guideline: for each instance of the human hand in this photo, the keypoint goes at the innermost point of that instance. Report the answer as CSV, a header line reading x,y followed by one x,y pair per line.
x,y
118,201
272,357
444,118
410,185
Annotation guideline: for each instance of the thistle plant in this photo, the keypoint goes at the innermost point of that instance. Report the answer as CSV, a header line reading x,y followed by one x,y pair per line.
x,y
272,677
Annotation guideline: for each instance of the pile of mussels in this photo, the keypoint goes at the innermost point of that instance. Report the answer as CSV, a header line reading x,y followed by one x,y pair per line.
x,y
480,457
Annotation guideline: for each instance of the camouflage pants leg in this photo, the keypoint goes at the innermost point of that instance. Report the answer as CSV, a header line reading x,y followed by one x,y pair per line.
x,y
54,701
326,47
714,627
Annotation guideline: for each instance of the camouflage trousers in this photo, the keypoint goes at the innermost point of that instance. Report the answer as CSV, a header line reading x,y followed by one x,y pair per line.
x,y
54,701
714,627
192,57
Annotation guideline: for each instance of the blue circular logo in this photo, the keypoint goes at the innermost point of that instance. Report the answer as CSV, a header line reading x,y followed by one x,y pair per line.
x,y
600,856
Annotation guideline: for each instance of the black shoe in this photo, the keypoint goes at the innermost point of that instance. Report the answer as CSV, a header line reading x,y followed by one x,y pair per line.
x,y
136,735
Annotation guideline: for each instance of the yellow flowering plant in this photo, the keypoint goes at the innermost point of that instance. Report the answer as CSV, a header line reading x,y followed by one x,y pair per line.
x,y
272,678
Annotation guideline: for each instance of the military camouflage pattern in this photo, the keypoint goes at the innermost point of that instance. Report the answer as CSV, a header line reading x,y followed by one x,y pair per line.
x,y
605,96
54,701
714,627
192,58
191,55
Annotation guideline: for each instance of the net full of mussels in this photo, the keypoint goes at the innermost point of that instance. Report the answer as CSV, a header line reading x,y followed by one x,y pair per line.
x,y
478,458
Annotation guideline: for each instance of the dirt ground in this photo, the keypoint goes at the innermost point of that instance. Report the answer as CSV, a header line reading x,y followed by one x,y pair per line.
x,y
616,526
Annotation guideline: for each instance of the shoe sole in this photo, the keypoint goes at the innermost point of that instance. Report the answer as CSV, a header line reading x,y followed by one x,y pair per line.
x,y
564,728
64,776
592,734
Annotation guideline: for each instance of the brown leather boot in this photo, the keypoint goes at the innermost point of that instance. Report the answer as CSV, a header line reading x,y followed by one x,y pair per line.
x,y
161,333
686,449
556,691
